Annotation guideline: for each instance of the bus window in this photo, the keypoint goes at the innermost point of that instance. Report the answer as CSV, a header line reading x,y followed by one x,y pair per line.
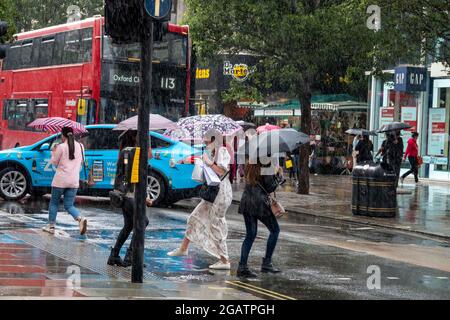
x,y
26,53
19,115
41,108
71,47
58,49
12,60
46,47
86,45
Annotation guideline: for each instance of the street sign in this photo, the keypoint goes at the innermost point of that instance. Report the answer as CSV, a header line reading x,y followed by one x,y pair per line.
x,y
158,9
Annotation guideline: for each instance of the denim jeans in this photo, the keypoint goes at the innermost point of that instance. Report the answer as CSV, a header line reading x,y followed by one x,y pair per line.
x,y
69,199
414,169
251,225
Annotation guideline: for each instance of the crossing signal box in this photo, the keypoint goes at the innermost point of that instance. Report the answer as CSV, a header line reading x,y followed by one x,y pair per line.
x,y
131,162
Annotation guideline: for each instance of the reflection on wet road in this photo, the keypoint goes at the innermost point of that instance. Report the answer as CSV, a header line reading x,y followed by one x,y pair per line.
x,y
320,260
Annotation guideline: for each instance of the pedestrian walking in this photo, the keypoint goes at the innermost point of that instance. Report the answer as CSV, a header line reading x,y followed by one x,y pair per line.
x,y
290,166
255,206
121,183
364,149
354,151
207,226
392,152
412,152
68,158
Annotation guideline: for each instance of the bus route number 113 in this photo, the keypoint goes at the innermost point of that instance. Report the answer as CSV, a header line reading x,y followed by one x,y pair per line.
x,y
168,83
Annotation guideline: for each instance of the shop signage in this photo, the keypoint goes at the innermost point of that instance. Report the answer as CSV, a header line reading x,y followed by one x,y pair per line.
x,y
277,113
386,115
202,73
436,131
410,79
323,106
239,72
409,116
435,160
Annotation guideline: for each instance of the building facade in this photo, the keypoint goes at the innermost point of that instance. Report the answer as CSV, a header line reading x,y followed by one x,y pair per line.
x,y
419,96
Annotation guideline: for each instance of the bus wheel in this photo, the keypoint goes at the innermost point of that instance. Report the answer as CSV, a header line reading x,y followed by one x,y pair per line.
x,y
155,188
13,184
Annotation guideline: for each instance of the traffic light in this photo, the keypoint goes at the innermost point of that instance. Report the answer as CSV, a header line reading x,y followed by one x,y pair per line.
x,y
3,31
126,21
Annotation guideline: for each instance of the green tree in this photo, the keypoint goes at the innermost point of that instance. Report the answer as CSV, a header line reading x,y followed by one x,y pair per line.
x,y
304,46
35,14
8,14
310,45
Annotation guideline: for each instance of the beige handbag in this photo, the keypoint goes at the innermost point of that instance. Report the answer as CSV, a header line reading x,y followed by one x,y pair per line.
x,y
276,207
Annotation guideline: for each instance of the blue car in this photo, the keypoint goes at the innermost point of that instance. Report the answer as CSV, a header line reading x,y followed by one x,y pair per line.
x,y
28,169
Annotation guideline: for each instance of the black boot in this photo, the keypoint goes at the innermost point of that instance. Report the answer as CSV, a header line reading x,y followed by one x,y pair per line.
x,y
114,258
267,267
244,272
128,260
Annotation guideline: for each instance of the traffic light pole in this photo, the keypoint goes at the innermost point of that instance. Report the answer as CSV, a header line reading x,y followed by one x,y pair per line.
x,y
145,102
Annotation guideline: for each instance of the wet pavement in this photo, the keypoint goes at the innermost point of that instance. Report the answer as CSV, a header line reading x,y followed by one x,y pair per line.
x,y
320,259
423,208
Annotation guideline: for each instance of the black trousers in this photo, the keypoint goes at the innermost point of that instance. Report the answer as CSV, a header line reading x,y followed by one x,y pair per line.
x,y
128,215
414,169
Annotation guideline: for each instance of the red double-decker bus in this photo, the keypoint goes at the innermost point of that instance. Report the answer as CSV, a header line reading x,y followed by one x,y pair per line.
x,y
75,71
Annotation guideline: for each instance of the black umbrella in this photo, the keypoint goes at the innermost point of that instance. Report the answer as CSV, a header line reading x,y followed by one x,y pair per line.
x,y
275,141
246,125
360,132
393,126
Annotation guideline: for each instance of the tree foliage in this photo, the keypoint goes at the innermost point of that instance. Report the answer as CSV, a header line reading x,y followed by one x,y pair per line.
x,y
8,14
35,14
313,45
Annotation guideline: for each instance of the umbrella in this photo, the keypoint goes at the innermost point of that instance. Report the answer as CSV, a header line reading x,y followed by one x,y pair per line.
x,y
267,127
394,126
276,141
360,132
157,122
246,125
195,127
55,124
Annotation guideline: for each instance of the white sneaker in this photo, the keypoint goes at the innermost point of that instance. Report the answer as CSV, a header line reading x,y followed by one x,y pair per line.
x,y
83,225
177,253
49,228
219,265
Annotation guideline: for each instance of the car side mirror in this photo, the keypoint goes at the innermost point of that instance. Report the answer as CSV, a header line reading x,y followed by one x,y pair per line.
x,y
45,147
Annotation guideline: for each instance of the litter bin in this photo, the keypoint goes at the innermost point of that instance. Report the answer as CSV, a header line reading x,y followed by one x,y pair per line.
x,y
374,192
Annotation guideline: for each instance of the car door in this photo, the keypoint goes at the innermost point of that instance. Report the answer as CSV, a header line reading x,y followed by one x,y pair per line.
x,y
42,171
101,154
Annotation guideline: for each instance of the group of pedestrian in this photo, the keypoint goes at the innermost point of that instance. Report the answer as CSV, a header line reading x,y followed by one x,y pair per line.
x,y
207,226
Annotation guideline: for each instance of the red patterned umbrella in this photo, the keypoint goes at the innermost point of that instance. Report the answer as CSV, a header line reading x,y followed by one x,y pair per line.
x,y
55,124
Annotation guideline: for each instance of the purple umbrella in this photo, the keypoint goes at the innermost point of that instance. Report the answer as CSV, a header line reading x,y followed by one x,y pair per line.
x,y
194,128
157,122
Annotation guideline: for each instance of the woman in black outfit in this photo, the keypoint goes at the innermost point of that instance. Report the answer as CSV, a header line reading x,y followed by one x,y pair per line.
x,y
365,149
127,140
255,206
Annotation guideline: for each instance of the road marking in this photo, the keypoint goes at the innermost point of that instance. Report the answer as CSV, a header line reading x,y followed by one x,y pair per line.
x,y
260,290
344,279
393,278
220,288
442,278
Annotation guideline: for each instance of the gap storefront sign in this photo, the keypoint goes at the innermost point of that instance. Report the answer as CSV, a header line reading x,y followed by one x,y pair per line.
x,y
410,79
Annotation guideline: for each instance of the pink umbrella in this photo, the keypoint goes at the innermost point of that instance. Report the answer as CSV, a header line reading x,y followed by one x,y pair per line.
x,y
157,122
267,127
55,124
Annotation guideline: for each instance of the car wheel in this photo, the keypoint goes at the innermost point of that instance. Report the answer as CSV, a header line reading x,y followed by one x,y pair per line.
x,y
155,188
13,184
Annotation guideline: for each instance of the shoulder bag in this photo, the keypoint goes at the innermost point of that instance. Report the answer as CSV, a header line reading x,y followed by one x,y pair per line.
x,y
88,178
208,192
275,206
